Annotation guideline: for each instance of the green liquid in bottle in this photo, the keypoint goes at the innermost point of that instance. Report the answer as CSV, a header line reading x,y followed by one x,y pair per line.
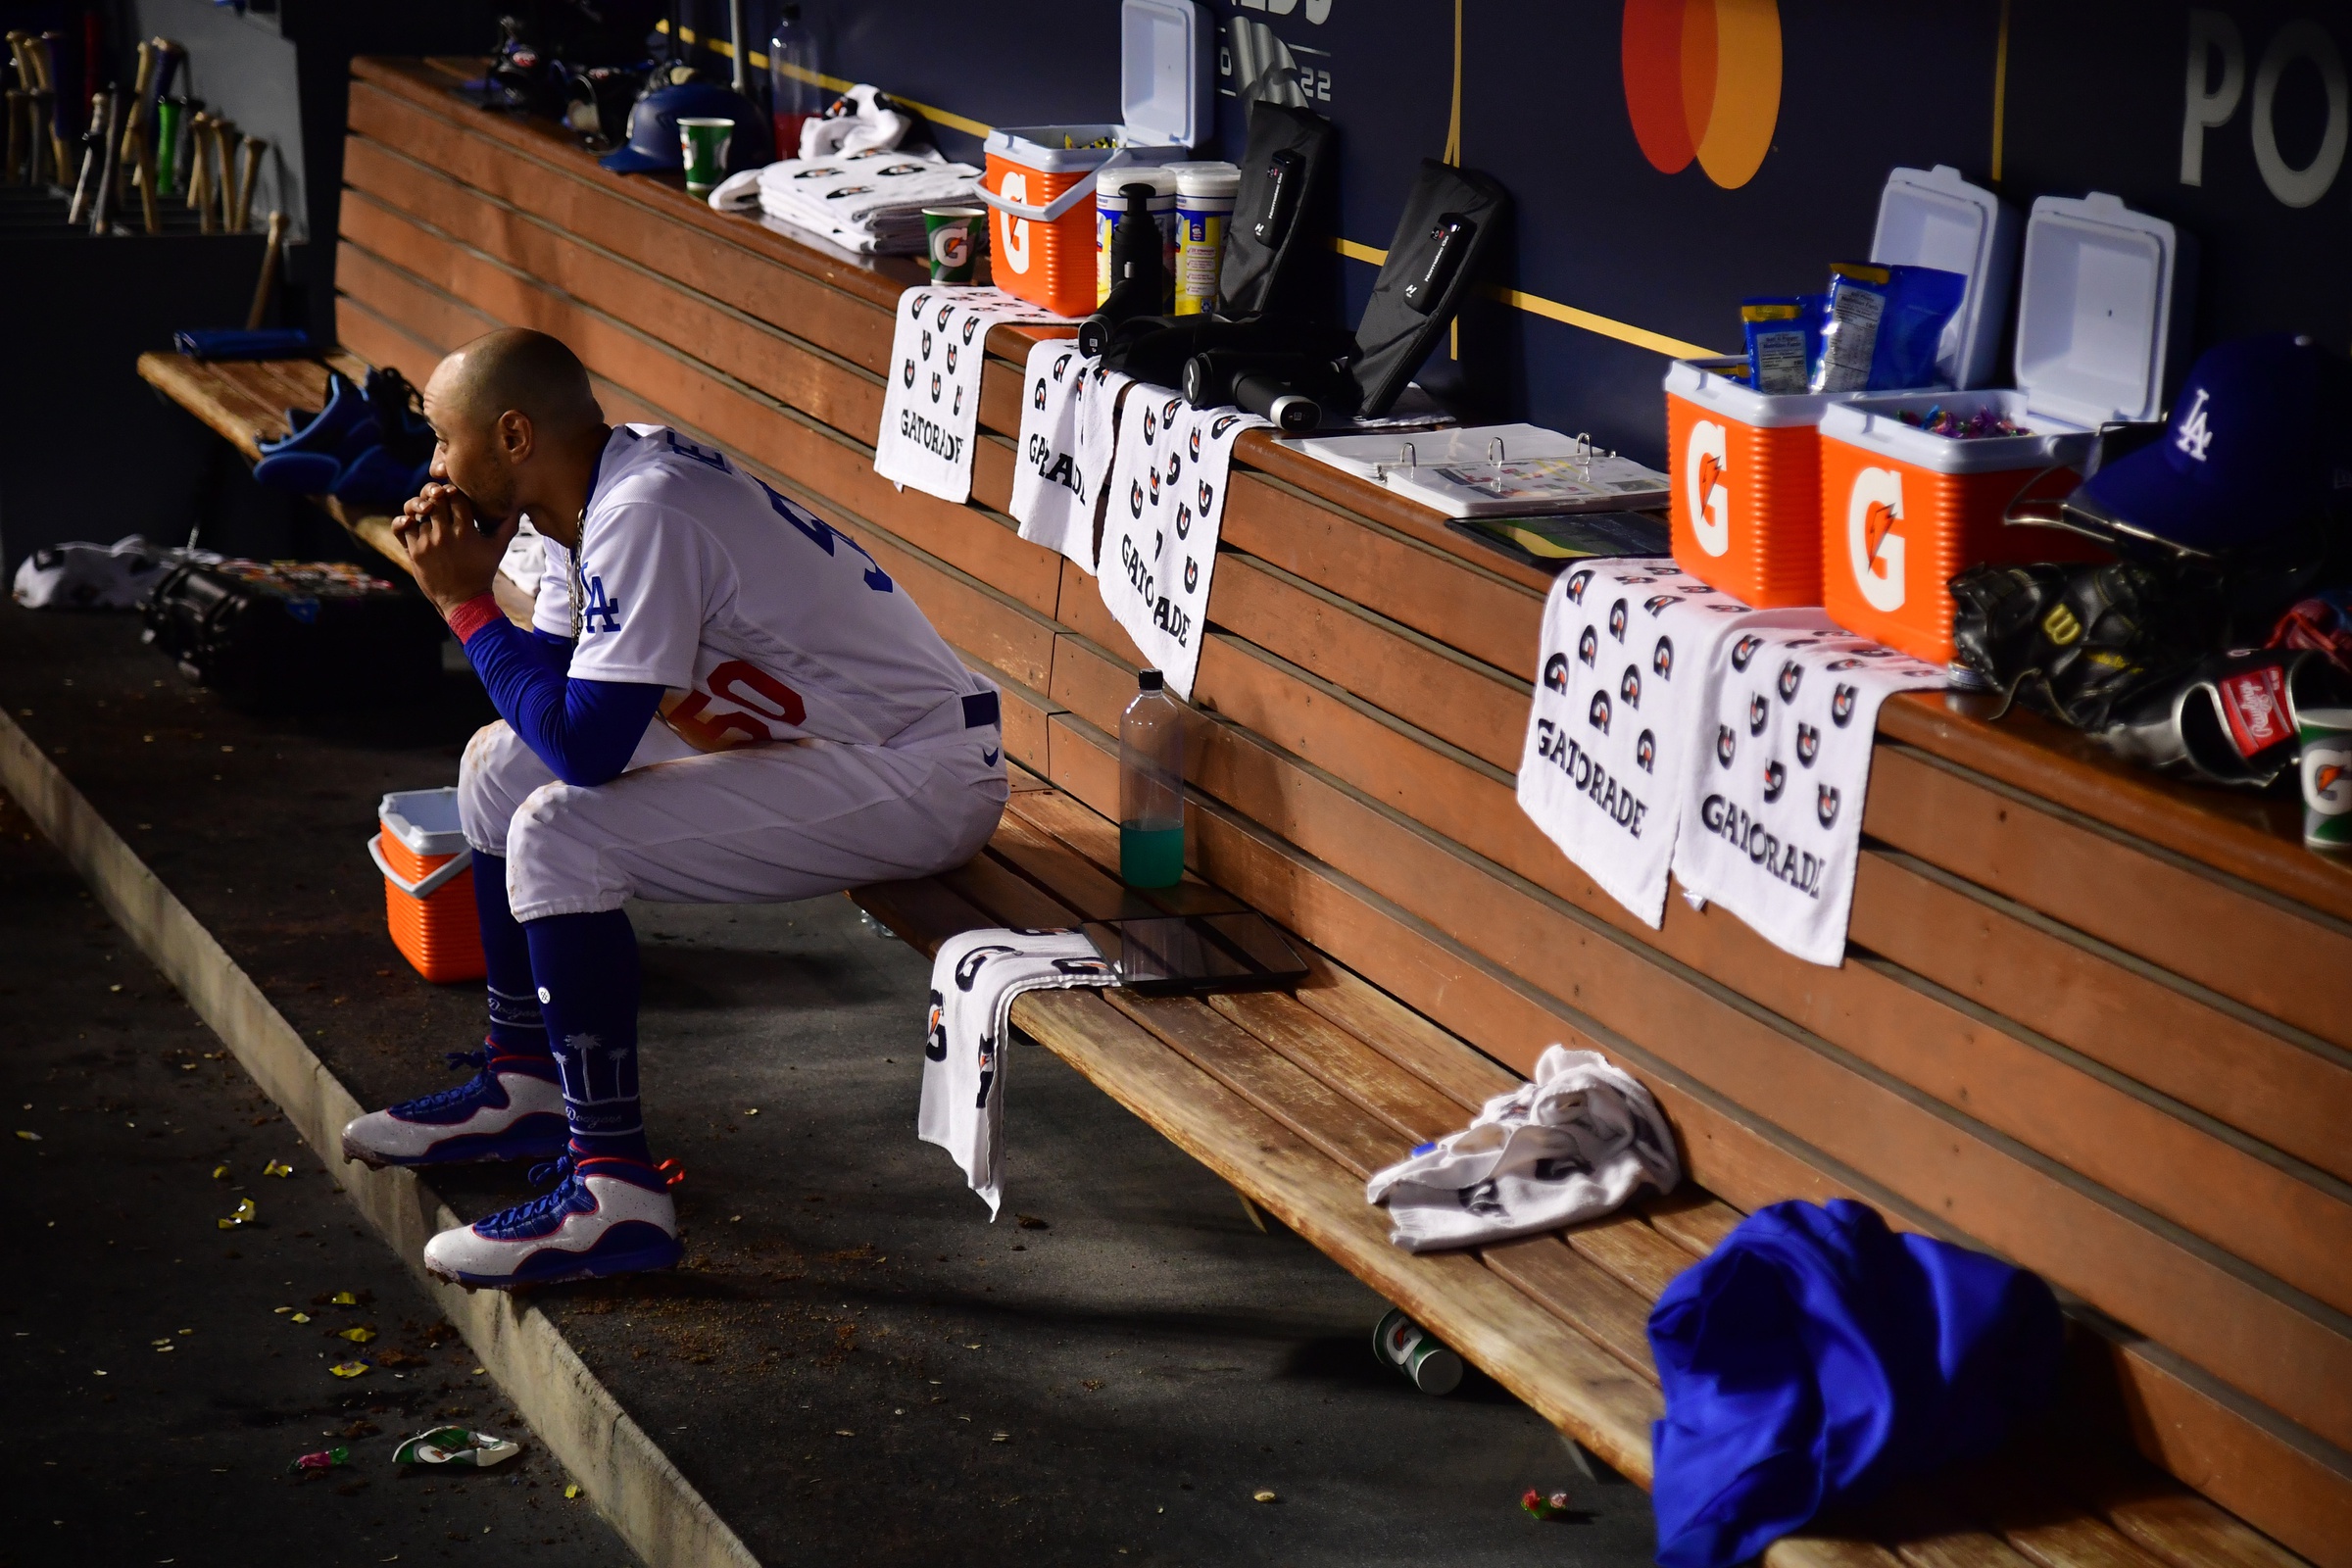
x,y
1151,857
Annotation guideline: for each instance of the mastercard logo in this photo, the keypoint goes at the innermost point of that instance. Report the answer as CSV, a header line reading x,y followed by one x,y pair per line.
x,y
1702,81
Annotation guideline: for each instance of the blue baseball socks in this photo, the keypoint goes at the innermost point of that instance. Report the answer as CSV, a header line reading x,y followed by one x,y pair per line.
x,y
586,969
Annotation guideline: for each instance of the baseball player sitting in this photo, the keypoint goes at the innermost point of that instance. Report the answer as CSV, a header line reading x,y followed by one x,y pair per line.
x,y
720,700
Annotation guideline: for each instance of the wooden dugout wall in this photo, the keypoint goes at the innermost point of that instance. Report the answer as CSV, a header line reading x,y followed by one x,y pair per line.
x,y
2097,1023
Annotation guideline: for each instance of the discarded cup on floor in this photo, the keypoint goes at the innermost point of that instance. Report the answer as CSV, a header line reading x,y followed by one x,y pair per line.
x,y
1411,1348
703,143
455,1446
2327,767
956,234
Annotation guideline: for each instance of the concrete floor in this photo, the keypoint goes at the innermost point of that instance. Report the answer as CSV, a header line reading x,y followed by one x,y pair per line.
x,y
156,1392
854,1366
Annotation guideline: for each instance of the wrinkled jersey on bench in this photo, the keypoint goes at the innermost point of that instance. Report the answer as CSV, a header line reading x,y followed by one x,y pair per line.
x,y
762,622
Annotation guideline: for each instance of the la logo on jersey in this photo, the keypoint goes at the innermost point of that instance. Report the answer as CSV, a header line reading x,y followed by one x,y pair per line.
x,y
2196,430
599,612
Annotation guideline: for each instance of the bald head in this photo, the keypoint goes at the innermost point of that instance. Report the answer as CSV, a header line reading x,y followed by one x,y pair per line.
x,y
519,429
524,372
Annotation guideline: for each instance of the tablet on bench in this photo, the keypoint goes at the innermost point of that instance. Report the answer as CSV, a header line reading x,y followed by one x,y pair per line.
x,y
1196,955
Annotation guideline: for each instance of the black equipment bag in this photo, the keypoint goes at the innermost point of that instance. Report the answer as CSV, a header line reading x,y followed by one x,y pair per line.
x,y
276,635
1453,217
1277,212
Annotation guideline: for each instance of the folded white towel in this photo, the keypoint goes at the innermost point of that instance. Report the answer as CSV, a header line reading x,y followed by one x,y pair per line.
x,y
973,982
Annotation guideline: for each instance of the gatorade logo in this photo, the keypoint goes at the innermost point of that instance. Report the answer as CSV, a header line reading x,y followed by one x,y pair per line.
x,y
1012,243
1705,494
1874,549
1702,81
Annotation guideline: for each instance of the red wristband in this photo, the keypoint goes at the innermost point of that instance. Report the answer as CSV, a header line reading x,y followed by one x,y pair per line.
x,y
474,614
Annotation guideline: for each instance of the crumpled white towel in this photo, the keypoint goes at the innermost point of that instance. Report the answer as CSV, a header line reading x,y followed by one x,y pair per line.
x,y
1065,445
861,119
1572,1145
973,982
91,576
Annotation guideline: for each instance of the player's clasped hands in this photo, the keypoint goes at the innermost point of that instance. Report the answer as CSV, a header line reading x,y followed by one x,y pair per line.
x,y
452,559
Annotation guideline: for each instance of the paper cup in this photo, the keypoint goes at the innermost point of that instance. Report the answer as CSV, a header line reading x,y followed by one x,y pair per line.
x,y
702,144
956,234
2327,769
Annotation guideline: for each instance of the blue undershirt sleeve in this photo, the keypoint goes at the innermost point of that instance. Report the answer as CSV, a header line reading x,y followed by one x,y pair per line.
x,y
584,730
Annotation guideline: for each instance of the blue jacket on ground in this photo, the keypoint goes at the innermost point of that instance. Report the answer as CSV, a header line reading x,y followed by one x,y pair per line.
x,y
1815,1357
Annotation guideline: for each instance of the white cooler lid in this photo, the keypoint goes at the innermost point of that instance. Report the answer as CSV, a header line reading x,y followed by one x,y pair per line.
x,y
1163,72
1932,217
425,820
2102,310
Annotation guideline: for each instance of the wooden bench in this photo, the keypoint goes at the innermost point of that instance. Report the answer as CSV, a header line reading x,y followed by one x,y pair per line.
x,y
2095,1021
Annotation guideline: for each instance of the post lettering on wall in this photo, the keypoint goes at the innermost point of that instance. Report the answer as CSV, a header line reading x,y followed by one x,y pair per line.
x,y
2216,87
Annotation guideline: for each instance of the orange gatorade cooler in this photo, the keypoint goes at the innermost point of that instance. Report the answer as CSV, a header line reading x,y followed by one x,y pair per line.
x,y
1040,182
2103,303
1745,466
428,884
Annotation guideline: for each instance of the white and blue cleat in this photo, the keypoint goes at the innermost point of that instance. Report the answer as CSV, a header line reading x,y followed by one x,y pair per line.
x,y
496,1114
605,1216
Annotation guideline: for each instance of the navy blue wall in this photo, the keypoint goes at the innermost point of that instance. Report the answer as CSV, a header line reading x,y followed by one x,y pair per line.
x,y
2096,94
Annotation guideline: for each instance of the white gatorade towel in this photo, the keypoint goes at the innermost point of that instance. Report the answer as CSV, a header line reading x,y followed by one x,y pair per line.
x,y
973,982
1160,521
931,404
1626,645
1064,450
1771,820
1572,1144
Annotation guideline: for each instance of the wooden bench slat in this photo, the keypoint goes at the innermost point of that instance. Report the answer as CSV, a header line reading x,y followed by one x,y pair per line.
x,y
1277,1087
1580,1294
1300,1035
1556,1370
1632,1251
2285,961
1695,1219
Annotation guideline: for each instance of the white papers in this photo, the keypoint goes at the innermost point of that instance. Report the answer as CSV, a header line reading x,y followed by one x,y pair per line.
x,y
1495,471
931,404
1774,782
1160,523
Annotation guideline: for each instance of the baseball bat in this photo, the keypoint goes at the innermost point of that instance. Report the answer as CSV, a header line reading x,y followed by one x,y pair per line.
x,y
226,190
146,168
110,173
15,136
199,170
85,184
136,115
43,50
248,176
170,56
272,253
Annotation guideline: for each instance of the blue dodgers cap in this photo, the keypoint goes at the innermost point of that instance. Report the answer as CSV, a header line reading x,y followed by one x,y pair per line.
x,y
2260,439
653,142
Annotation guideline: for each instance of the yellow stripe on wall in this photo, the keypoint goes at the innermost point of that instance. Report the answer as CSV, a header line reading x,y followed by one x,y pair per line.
x,y
1533,304
759,60
1536,305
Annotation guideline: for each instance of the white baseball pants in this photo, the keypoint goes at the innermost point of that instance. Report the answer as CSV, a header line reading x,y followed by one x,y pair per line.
x,y
760,825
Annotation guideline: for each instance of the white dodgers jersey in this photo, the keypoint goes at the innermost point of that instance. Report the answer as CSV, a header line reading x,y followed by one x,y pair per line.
x,y
764,622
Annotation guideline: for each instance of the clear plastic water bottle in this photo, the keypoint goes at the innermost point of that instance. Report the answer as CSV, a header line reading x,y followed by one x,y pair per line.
x,y
795,95
1151,786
